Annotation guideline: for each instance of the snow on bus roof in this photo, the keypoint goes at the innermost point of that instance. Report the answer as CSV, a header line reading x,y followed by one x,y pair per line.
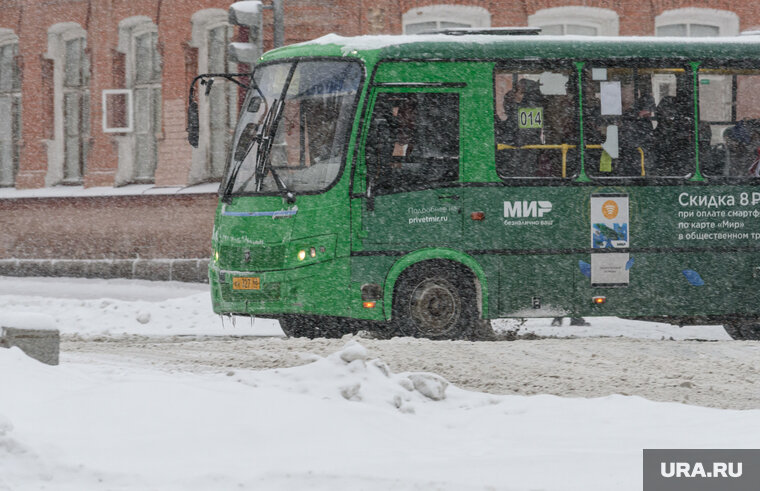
x,y
375,42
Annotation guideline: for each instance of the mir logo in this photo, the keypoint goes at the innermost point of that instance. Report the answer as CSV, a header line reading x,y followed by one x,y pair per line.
x,y
525,209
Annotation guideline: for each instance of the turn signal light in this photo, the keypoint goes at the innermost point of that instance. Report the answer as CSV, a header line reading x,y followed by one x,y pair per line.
x,y
369,304
478,215
599,300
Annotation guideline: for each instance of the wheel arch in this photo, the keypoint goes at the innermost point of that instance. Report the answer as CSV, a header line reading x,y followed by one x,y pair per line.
x,y
430,254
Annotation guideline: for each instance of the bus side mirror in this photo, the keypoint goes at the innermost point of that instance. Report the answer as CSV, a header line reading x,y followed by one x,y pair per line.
x,y
192,124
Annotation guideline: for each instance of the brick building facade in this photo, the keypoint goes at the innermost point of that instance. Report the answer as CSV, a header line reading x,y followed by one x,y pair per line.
x,y
83,199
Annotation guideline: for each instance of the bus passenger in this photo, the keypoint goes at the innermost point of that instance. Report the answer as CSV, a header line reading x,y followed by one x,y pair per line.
x,y
742,142
560,127
525,98
637,133
392,141
673,135
402,128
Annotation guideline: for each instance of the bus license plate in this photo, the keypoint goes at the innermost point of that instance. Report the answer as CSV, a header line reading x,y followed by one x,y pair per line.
x,y
246,283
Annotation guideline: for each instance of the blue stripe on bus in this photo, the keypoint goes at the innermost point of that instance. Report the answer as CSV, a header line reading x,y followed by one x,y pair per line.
x,y
693,277
284,213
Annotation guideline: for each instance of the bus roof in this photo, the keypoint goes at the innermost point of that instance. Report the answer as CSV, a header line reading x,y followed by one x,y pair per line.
x,y
483,46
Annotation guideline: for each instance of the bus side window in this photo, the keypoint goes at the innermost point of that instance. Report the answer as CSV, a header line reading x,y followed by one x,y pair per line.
x,y
650,111
729,110
536,123
618,127
413,142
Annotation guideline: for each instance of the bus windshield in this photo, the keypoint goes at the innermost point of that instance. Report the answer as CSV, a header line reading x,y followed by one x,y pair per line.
x,y
292,134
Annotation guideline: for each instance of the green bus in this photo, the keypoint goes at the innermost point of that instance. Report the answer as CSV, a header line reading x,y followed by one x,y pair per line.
x,y
423,185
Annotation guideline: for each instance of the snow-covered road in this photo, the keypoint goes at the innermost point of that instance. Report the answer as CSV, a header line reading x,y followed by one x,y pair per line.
x,y
153,392
720,374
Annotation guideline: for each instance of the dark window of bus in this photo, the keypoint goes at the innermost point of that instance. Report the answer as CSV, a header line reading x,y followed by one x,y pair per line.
x,y
638,122
729,107
413,142
536,123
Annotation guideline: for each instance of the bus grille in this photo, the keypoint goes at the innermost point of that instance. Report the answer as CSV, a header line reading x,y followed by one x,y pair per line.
x,y
258,258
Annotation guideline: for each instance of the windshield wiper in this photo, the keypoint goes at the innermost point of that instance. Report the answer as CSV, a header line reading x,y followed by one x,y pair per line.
x,y
263,160
261,136
254,141
265,140
226,193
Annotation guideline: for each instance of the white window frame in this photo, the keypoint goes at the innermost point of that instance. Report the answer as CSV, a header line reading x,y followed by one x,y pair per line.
x,y
461,14
58,35
130,111
605,21
726,21
129,29
203,21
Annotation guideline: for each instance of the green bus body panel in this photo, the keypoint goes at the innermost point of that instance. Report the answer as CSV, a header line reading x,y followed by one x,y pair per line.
x,y
672,232
267,248
688,242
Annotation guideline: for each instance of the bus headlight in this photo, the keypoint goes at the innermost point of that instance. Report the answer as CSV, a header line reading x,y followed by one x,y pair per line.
x,y
301,255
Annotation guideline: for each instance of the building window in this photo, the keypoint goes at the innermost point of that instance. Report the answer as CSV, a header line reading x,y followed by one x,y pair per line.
x,y
697,22
10,105
435,17
67,152
76,110
217,112
583,21
146,84
138,42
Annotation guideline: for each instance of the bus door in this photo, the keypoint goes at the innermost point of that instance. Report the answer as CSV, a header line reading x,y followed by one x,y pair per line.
x,y
527,219
412,156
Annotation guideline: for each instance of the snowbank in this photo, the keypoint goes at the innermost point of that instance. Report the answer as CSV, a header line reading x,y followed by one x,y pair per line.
x,y
88,307
344,421
27,320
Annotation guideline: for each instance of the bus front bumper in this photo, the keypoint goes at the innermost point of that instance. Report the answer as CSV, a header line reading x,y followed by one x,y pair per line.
x,y
314,289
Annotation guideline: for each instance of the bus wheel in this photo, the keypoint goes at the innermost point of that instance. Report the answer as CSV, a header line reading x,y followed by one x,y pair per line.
x,y
314,326
743,330
297,326
436,300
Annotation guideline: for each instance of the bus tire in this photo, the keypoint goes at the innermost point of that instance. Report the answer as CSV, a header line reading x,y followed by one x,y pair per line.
x,y
743,330
297,326
436,300
315,326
